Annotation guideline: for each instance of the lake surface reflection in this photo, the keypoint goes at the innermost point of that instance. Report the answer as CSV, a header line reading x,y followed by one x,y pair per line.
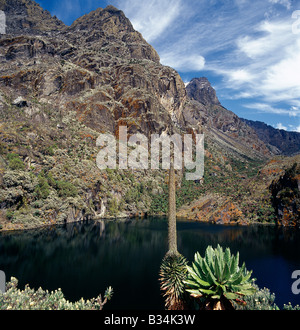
x,y
84,258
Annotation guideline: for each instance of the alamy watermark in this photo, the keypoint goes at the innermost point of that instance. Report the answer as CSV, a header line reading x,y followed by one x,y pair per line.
x,y
2,282
133,153
296,284
2,22
296,24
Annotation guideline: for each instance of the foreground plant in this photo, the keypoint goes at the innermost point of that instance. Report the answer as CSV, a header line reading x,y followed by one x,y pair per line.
x,y
173,269
216,280
29,299
173,272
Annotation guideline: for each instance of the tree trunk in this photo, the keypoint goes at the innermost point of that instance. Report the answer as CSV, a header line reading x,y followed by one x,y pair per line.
x,y
172,233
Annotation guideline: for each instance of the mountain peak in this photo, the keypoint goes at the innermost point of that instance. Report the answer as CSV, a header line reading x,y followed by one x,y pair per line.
x,y
28,17
110,30
200,89
113,9
103,19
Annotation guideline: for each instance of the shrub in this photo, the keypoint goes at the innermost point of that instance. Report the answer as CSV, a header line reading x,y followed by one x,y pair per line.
x,y
216,279
42,190
9,214
14,162
262,299
66,189
30,299
289,307
113,207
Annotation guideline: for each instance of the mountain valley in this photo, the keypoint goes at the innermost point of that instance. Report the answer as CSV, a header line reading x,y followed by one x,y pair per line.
x,y
62,86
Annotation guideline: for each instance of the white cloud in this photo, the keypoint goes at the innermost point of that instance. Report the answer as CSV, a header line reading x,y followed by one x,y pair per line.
x,y
151,17
285,3
290,128
240,76
275,35
183,62
249,44
268,108
266,65
285,75
281,126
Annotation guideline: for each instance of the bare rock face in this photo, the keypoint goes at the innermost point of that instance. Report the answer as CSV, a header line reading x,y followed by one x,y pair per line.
x,y
27,17
286,196
280,141
224,130
108,30
99,67
200,89
60,87
104,71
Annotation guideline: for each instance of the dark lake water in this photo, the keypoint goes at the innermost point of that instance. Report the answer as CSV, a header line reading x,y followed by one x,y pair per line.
x,y
84,258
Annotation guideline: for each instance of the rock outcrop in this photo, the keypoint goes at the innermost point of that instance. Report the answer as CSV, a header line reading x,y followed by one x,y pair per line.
x,y
200,89
286,197
61,86
281,142
27,17
225,132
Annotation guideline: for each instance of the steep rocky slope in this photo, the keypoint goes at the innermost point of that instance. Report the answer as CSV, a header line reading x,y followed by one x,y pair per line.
x,y
240,191
261,193
27,17
279,141
200,89
60,87
225,132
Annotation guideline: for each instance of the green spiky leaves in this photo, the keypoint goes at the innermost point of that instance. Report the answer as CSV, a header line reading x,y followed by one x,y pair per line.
x,y
109,293
218,275
173,272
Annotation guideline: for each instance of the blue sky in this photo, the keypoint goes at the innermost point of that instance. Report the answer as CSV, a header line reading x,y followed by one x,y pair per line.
x,y
248,49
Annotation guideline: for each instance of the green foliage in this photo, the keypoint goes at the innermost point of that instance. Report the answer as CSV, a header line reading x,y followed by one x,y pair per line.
x,y
9,214
30,299
46,181
217,276
42,190
186,193
173,273
14,162
66,189
266,213
113,207
160,202
262,299
289,307
135,193
286,195
50,151
3,148
51,181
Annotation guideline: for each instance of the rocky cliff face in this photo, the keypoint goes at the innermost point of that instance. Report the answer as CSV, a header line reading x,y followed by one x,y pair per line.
x,y
286,196
113,73
200,89
226,132
60,87
279,141
27,17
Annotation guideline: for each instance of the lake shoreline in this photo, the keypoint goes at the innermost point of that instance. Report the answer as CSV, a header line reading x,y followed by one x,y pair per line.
x,y
20,227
